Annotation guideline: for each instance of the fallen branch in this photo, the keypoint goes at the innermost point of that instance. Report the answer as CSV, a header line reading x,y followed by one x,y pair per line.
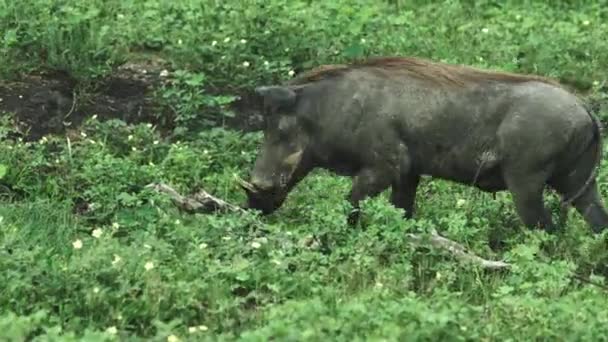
x,y
203,202
458,251
200,202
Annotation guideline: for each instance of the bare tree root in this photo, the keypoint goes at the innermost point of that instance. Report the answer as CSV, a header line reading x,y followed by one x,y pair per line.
x,y
203,202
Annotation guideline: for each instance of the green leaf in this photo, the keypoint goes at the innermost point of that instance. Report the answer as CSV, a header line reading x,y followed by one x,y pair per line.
x,y
3,170
126,199
353,51
196,80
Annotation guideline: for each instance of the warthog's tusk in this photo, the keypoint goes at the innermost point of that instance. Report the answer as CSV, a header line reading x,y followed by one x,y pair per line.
x,y
293,159
246,185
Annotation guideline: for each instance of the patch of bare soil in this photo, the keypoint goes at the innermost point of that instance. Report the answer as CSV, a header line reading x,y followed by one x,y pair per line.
x,y
52,102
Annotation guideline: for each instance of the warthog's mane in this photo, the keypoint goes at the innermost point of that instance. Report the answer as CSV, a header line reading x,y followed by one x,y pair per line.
x,y
439,73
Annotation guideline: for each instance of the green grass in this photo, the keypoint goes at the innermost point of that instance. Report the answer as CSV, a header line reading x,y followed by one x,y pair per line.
x,y
130,266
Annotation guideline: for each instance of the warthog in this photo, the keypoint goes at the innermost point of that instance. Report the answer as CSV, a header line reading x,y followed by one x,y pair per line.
x,y
387,121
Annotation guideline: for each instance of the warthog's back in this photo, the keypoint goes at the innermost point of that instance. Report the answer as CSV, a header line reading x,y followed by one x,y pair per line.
x,y
448,116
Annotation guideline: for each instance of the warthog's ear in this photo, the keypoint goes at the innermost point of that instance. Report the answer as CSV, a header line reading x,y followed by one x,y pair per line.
x,y
277,97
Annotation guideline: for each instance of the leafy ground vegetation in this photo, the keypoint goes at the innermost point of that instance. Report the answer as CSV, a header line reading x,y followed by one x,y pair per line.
x,y
100,98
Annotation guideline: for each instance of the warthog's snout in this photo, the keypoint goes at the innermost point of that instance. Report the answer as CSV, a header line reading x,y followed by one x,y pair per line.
x,y
262,185
262,195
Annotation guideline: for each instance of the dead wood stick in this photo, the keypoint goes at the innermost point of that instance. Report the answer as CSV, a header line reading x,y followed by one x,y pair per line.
x,y
458,251
203,202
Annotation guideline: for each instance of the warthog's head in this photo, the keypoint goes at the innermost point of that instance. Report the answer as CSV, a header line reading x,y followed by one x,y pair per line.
x,y
283,159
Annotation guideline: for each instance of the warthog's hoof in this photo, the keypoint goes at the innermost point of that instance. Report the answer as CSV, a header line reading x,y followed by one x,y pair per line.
x,y
353,217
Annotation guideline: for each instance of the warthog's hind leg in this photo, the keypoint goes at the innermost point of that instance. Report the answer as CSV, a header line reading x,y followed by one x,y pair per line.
x,y
527,189
589,204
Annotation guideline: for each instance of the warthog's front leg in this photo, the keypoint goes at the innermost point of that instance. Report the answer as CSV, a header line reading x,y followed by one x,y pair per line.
x,y
368,183
404,194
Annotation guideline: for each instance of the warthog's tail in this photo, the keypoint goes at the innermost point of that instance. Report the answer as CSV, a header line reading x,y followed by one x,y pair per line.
x,y
597,125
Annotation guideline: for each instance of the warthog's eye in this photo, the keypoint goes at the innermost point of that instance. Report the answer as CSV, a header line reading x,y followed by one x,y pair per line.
x,y
285,124
283,180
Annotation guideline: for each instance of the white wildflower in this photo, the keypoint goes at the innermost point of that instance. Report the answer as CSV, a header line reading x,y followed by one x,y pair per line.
x,y
179,42
20,96
596,83
460,203
178,222
202,246
112,330
134,148
214,43
164,73
172,338
363,40
192,330
97,233
94,117
130,137
115,225
266,63
83,134
77,244
96,289
586,22
246,64
149,265
203,328
256,245
291,73
243,41
485,30
155,142
226,40
116,260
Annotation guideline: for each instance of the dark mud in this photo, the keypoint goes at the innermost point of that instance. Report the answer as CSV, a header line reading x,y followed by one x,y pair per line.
x,y
53,103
